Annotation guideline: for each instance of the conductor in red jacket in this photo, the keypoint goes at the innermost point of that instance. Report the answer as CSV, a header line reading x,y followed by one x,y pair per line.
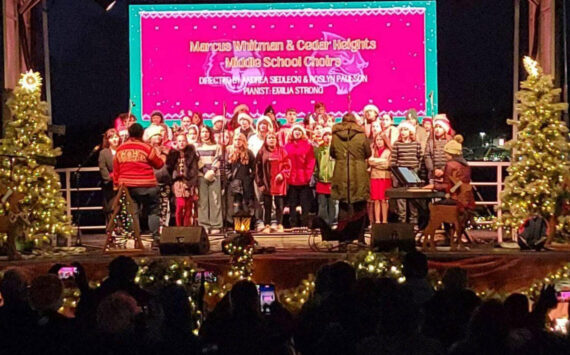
x,y
133,167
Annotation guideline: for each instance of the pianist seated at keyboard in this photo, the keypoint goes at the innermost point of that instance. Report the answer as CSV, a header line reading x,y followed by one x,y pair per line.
x,y
456,178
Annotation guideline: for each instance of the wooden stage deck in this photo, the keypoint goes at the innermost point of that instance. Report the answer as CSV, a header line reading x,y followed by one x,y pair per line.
x,y
490,267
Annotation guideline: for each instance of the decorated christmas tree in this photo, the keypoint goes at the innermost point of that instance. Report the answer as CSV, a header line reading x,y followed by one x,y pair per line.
x,y
536,183
24,149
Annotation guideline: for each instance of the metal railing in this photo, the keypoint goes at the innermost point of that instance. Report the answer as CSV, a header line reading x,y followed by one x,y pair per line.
x,y
497,183
70,189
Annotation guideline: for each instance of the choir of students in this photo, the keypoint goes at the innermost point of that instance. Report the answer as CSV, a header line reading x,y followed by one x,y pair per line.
x,y
267,168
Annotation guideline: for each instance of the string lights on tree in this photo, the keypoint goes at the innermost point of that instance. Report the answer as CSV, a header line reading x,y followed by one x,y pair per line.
x,y
23,149
541,151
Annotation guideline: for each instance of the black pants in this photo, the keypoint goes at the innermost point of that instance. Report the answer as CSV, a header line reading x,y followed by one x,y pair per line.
x,y
148,198
299,195
267,205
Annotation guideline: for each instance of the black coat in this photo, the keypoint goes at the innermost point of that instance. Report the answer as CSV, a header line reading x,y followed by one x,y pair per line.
x,y
190,162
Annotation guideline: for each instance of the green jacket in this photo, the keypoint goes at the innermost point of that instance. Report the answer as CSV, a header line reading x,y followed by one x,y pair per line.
x,y
324,166
351,181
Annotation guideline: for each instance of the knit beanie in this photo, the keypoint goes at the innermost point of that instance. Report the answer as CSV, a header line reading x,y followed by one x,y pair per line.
x,y
454,146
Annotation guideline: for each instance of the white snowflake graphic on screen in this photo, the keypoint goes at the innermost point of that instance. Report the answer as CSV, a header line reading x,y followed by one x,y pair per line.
x,y
352,63
215,66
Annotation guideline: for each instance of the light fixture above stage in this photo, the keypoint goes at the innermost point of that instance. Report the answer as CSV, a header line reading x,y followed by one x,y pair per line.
x,y
106,4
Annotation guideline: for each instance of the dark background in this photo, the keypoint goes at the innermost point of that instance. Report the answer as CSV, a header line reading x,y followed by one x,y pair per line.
x,y
90,67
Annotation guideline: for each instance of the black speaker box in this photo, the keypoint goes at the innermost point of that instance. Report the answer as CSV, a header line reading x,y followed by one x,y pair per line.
x,y
390,236
184,241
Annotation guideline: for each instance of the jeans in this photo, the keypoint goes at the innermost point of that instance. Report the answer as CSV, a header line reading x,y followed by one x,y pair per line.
x,y
407,212
267,206
210,203
327,208
149,198
299,195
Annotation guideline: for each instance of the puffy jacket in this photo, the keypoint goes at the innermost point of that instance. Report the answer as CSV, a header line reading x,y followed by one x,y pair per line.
x,y
302,158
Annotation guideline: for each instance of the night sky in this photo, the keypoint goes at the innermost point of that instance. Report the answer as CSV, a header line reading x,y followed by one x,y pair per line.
x,y
90,68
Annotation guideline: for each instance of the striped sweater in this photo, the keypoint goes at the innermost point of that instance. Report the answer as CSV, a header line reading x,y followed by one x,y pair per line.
x,y
209,158
435,157
407,155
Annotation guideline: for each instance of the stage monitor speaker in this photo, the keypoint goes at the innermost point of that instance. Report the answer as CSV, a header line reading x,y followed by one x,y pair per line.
x,y
184,241
390,236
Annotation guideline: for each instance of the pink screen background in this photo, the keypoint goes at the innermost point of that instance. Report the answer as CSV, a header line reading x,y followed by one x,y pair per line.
x,y
395,69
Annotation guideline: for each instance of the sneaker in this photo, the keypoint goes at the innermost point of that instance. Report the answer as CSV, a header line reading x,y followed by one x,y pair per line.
x,y
279,228
266,230
215,231
260,227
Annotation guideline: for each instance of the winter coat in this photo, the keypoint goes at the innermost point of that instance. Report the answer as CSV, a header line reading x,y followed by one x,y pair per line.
x,y
380,166
302,157
267,165
190,176
458,170
349,137
324,166
244,173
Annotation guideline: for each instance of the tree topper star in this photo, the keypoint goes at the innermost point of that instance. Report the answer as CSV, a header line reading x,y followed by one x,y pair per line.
x,y
30,81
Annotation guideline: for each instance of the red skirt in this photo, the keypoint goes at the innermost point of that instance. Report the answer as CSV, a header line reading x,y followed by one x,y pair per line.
x,y
378,189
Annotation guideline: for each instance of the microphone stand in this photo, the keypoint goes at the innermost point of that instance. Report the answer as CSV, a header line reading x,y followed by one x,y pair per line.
x,y
223,172
77,175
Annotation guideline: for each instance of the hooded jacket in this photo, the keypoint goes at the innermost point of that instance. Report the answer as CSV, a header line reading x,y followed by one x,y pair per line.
x,y
350,148
457,170
302,158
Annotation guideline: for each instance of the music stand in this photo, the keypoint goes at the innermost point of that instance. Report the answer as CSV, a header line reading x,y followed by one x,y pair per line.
x,y
406,177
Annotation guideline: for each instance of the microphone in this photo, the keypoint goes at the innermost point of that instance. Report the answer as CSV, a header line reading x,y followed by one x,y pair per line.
x,y
96,148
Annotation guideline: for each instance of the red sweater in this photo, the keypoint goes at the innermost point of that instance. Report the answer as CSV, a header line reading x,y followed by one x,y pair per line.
x,y
133,164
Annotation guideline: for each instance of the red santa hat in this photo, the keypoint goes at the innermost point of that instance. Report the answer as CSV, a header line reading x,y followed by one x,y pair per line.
x,y
300,127
245,116
241,108
371,107
408,125
266,120
217,119
442,121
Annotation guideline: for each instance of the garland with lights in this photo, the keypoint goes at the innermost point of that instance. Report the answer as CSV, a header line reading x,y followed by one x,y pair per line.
x,y
24,146
366,264
541,154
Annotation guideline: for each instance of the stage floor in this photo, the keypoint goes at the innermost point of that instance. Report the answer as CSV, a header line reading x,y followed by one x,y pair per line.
x,y
501,269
